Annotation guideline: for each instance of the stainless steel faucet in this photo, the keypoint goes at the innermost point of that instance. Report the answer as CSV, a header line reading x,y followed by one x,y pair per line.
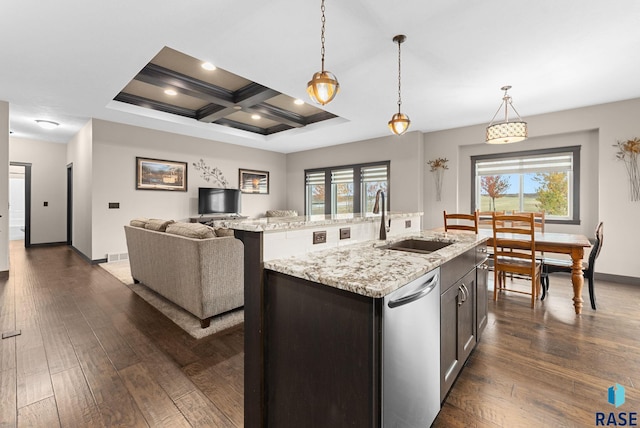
x,y
376,210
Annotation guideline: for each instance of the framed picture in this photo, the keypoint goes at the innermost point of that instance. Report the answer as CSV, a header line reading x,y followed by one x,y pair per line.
x,y
158,174
251,181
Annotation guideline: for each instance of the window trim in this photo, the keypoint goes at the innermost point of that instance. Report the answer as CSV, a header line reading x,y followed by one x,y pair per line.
x,y
357,185
574,150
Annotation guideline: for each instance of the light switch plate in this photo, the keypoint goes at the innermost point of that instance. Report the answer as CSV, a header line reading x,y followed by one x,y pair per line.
x,y
345,233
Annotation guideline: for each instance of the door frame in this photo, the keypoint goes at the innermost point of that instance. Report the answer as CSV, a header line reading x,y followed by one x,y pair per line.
x,y
70,203
27,201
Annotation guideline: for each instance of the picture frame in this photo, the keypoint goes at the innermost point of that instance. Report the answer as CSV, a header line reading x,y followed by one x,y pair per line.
x,y
160,174
252,181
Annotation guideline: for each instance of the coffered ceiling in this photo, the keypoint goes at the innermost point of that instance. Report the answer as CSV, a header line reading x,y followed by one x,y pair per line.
x,y
177,84
69,61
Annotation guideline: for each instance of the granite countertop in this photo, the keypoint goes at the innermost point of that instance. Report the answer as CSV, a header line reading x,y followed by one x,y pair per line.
x,y
267,224
369,270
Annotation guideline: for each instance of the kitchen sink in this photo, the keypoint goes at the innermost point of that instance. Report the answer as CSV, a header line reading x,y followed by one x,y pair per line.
x,y
417,246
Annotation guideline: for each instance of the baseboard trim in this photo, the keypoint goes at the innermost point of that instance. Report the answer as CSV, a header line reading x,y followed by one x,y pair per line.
x,y
620,279
48,244
87,259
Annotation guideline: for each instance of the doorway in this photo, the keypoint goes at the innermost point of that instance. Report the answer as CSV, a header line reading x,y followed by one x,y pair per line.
x,y
20,202
69,203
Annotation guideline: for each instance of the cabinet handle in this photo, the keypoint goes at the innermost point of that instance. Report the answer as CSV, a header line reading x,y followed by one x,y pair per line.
x,y
483,250
467,293
464,295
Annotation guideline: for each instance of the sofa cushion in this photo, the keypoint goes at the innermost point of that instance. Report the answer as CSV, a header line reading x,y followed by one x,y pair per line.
x,y
191,230
223,231
157,224
139,222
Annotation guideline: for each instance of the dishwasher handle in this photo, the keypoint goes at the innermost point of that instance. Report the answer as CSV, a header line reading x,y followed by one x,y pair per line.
x,y
425,289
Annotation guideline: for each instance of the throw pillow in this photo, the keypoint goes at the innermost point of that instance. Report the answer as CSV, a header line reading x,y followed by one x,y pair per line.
x,y
221,231
157,224
139,222
190,230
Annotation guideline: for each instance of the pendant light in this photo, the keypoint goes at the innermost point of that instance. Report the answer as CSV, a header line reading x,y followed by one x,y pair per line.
x,y
399,122
506,132
323,86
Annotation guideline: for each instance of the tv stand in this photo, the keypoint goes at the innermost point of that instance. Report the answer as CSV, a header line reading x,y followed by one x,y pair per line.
x,y
206,218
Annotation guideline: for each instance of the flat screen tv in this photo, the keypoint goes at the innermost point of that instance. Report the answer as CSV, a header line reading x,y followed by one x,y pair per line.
x,y
218,201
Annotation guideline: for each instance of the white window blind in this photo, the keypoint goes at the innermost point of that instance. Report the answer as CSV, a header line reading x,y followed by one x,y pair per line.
x,y
374,173
341,176
561,162
315,178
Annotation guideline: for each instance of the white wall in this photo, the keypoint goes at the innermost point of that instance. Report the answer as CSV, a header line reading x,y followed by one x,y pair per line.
x,y
115,148
48,183
404,152
79,154
604,187
4,186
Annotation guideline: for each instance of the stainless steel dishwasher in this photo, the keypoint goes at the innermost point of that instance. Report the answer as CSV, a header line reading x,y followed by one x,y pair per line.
x,y
411,354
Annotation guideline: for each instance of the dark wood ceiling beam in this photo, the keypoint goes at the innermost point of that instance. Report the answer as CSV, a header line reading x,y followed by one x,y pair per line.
x,y
242,126
163,77
277,114
319,117
212,112
154,105
278,128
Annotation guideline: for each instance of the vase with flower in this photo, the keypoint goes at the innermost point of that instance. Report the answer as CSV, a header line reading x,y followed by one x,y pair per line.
x,y
438,167
628,152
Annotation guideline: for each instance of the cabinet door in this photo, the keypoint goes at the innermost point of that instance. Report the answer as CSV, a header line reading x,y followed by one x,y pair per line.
x,y
482,274
457,329
467,315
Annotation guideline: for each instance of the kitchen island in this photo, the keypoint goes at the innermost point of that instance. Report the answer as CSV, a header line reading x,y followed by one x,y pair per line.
x,y
273,238
334,354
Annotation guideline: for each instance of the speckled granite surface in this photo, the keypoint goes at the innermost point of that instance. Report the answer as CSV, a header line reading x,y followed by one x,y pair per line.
x,y
369,270
300,222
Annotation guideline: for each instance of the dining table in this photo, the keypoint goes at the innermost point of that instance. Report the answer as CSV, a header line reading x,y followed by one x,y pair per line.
x,y
559,243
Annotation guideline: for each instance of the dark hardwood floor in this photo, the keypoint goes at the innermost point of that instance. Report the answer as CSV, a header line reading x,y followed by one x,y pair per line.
x,y
92,353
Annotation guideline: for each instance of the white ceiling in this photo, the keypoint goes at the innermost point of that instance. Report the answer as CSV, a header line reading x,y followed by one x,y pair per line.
x,y
66,60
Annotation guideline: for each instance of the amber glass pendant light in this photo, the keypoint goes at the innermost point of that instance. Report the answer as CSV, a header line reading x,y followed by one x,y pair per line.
x,y
323,86
399,122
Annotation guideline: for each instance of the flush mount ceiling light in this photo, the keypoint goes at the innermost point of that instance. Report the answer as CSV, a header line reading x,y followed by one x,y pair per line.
x,y
506,132
323,86
399,122
47,124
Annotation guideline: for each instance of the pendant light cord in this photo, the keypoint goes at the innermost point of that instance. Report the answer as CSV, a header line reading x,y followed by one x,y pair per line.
x,y
399,78
323,20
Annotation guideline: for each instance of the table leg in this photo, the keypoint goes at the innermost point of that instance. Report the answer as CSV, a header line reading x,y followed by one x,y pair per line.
x,y
577,278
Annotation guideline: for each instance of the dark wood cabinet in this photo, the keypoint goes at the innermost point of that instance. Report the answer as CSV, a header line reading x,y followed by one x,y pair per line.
x,y
482,299
457,328
322,355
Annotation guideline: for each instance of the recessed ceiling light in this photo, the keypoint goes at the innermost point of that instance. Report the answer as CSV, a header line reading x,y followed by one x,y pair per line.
x,y
47,124
237,107
298,102
255,116
171,92
208,66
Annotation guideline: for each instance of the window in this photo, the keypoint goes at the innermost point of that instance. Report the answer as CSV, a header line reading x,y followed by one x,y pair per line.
x,y
345,189
537,180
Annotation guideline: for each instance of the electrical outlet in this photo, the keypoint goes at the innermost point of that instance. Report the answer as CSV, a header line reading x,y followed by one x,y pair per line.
x,y
345,233
114,205
46,204
320,237
407,224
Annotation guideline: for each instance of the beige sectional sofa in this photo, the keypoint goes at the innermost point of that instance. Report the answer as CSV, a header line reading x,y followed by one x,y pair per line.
x,y
188,264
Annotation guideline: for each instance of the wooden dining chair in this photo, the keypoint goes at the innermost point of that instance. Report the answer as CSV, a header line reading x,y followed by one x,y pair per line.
x,y
538,218
561,265
467,222
514,253
485,218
